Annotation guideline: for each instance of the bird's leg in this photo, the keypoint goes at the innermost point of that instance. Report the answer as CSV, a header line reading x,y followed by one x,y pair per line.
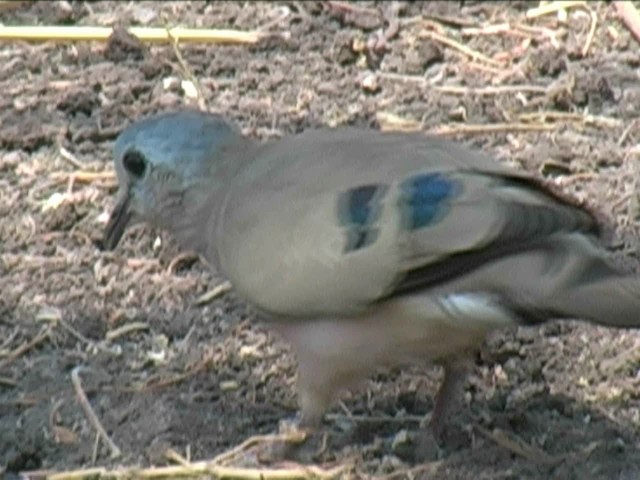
x,y
429,440
314,401
315,394
455,372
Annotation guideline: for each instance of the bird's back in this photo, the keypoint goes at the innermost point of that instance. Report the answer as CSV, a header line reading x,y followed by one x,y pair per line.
x,y
330,221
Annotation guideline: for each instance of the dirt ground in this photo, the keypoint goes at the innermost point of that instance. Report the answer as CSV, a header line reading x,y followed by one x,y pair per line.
x,y
164,371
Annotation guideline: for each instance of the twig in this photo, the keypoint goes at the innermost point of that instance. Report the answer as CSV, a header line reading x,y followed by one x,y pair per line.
x,y
436,37
451,20
84,176
454,129
563,6
213,467
284,13
96,449
25,347
71,158
54,317
494,30
390,122
153,383
6,5
611,366
181,257
216,292
500,74
630,17
90,414
125,329
520,447
60,434
458,90
145,34
352,8
596,120
78,474
145,264
226,457
542,31
25,262
8,382
376,419
487,91
347,413
623,201
10,338
187,72
401,77
626,132
175,457
565,181
592,32
200,468
77,334
426,469
553,7
517,30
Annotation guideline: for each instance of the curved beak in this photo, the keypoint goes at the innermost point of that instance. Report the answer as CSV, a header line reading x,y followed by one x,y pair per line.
x,y
118,221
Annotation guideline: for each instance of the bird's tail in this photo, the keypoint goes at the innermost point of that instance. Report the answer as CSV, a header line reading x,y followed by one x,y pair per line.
x,y
569,277
612,300
589,287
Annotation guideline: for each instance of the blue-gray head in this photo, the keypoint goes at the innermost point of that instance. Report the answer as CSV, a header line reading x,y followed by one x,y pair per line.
x,y
158,162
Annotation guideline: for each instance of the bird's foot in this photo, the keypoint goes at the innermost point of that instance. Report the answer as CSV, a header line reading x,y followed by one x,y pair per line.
x,y
426,444
296,443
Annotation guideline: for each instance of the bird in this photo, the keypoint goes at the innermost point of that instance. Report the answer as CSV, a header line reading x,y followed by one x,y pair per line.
x,y
366,249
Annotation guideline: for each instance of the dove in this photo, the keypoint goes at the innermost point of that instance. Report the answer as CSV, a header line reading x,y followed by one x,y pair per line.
x,y
366,249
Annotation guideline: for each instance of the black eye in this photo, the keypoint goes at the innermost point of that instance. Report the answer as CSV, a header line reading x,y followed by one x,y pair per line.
x,y
135,163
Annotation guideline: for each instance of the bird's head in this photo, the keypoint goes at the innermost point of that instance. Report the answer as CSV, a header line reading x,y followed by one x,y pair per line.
x,y
161,163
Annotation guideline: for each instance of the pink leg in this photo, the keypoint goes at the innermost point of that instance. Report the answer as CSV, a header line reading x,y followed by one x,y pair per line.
x,y
455,371
317,389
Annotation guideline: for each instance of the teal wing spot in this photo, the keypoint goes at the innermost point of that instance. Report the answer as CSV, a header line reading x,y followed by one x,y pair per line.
x,y
425,199
359,209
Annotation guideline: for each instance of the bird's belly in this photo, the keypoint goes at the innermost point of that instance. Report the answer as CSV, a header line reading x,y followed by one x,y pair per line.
x,y
402,330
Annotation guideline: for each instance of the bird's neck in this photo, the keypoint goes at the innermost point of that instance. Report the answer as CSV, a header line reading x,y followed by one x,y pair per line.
x,y
194,226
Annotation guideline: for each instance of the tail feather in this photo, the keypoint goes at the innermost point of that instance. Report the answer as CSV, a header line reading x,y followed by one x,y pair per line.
x,y
612,301
597,291
567,277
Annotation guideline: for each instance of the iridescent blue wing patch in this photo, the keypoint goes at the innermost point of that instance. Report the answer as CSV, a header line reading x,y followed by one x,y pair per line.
x,y
359,210
425,199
